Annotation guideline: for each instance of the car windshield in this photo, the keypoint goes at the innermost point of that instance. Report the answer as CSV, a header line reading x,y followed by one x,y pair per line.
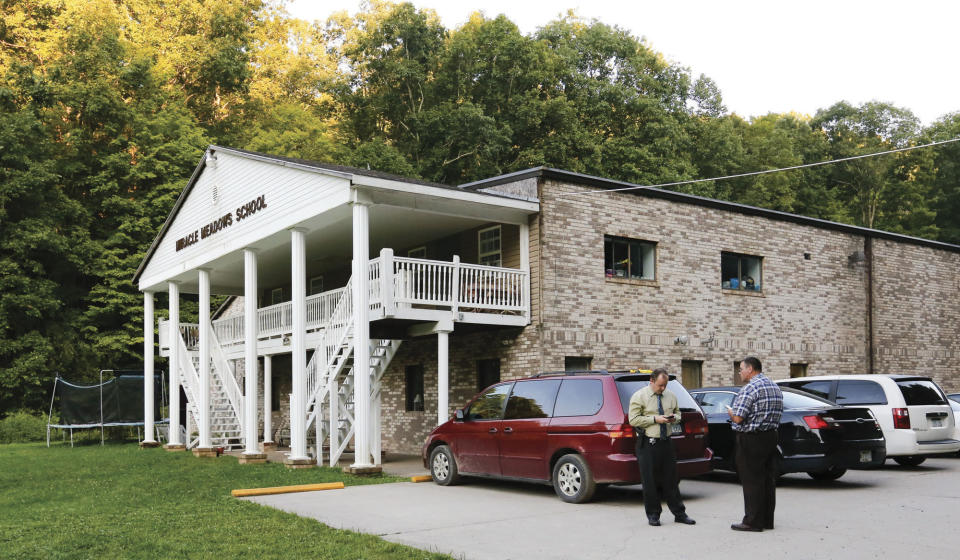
x,y
627,386
918,392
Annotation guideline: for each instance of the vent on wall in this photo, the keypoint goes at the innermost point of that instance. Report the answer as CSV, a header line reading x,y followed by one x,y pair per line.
x,y
216,194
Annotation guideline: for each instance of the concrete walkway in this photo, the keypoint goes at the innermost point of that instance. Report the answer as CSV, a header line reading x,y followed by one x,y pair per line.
x,y
393,463
889,512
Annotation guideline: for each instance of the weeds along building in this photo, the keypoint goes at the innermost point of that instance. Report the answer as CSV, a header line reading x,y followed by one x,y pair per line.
x,y
440,291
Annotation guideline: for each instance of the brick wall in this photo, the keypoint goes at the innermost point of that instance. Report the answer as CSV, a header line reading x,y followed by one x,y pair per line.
x,y
917,311
811,311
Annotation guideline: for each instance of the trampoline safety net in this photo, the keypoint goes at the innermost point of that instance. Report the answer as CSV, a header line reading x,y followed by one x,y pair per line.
x,y
122,401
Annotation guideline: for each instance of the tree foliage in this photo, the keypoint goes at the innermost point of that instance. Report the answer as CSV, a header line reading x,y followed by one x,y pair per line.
x,y
106,106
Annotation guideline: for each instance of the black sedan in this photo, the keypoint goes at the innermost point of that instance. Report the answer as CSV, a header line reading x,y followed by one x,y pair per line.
x,y
817,437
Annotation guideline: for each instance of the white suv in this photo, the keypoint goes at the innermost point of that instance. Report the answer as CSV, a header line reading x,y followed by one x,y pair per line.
x,y
913,411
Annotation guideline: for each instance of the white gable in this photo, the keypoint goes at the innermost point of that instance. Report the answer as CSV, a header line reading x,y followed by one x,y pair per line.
x,y
233,204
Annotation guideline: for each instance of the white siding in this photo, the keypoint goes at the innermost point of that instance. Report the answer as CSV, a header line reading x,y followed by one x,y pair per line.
x,y
292,195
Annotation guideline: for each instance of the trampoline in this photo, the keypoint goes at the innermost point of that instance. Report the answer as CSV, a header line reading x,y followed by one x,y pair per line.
x,y
115,402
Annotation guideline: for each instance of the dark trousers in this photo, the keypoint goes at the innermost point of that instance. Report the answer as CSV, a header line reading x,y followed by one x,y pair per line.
x,y
658,465
758,467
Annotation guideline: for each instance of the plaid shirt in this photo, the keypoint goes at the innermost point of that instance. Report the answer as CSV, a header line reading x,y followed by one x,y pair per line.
x,y
760,404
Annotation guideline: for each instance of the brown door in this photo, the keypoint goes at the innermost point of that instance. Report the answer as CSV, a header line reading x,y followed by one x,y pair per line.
x,y
691,373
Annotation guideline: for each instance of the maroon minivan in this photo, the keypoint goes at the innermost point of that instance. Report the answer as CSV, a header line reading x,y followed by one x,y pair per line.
x,y
569,429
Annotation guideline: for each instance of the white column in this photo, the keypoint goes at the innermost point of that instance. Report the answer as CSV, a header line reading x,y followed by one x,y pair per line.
x,y
361,335
443,376
204,316
250,333
267,399
298,402
174,364
525,264
148,397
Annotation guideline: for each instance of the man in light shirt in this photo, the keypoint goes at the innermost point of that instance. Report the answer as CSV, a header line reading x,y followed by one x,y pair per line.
x,y
653,412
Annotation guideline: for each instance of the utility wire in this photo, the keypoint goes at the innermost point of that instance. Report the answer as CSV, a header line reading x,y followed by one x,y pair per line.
x,y
753,173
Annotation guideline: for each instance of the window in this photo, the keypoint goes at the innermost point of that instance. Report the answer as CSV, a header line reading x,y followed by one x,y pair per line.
x,y
488,373
854,391
414,376
736,373
629,258
818,388
276,296
579,397
577,363
532,399
488,246
691,373
715,402
316,285
920,392
740,272
418,252
798,370
794,401
489,405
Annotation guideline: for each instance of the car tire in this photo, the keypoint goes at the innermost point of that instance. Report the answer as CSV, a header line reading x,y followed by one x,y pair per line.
x,y
572,479
910,460
833,473
443,466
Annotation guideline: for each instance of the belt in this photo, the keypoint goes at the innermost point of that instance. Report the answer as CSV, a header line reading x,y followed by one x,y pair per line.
x,y
758,431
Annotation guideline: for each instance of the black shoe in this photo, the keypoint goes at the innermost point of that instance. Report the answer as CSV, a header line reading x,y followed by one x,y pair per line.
x,y
685,519
743,527
653,520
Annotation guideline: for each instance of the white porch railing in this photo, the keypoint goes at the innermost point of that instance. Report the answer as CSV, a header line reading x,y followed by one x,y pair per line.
x,y
411,283
276,320
454,285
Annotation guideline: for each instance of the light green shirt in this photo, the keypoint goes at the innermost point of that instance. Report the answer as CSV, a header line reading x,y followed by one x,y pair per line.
x,y
643,408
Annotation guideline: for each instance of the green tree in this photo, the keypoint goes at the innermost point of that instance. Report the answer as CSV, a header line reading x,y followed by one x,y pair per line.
x,y
880,191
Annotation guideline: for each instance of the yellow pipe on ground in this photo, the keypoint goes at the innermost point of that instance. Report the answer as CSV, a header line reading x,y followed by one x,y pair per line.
x,y
286,489
421,478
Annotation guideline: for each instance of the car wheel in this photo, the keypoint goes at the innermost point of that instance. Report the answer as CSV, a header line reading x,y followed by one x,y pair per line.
x,y
572,479
832,473
443,467
910,460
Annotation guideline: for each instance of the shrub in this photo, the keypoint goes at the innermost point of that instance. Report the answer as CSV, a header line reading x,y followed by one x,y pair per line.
x,y
23,426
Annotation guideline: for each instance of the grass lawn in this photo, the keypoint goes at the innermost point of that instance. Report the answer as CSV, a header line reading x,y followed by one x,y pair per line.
x,y
120,501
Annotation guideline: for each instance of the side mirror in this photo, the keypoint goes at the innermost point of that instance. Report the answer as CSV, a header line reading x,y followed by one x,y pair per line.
x,y
458,415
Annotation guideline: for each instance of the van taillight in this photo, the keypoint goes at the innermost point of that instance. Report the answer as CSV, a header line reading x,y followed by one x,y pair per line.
x,y
901,418
694,424
816,422
622,431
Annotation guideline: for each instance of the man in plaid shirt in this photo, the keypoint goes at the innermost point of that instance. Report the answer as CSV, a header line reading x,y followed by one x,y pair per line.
x,y
756,415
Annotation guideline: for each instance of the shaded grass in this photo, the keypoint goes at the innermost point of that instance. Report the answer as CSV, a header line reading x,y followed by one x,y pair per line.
x,y
120,501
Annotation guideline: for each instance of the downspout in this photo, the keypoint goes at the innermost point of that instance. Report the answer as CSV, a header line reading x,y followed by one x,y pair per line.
x,y
868,257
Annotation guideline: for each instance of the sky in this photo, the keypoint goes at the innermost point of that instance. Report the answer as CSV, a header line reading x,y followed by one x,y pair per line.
x,y
766,55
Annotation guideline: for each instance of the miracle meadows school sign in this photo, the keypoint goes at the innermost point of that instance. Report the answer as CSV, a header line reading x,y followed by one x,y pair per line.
x,y
223,222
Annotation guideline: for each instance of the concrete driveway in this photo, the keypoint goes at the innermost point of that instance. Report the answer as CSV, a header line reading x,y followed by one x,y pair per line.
x,y
889,512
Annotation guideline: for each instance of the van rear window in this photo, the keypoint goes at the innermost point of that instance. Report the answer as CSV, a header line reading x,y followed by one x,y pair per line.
x,y
627,387
919,392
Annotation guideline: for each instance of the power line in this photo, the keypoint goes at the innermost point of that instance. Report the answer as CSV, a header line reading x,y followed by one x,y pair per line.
x,y
753,173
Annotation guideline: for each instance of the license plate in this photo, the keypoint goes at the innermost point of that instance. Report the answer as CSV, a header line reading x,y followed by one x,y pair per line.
x,y
865,456
936,422
676,429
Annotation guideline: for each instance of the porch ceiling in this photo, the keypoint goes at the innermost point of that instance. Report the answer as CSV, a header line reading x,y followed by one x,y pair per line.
x,y
329,243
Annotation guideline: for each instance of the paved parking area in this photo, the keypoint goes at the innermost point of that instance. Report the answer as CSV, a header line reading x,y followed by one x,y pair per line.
x,y
910,512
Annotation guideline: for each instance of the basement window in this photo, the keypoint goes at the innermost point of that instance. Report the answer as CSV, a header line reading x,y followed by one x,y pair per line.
x,y
740,272
414,375
629,258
